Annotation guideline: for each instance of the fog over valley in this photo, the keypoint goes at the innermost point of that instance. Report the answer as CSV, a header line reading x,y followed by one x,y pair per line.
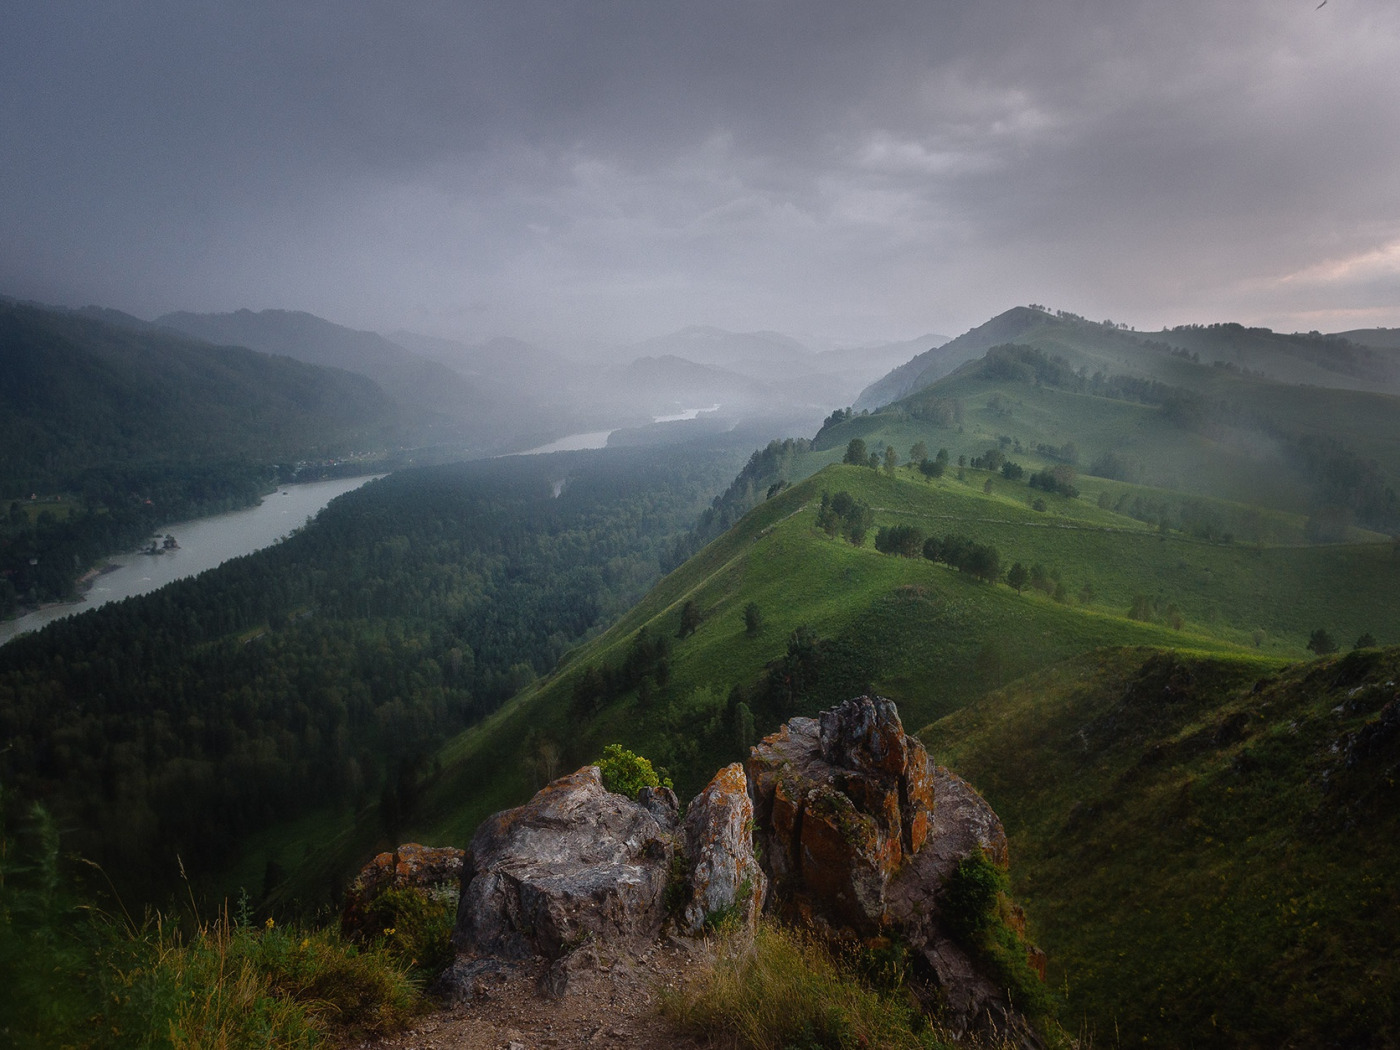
x,y
763,523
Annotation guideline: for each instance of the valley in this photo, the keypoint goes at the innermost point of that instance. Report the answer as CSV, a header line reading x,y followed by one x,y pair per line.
x,y
1105,580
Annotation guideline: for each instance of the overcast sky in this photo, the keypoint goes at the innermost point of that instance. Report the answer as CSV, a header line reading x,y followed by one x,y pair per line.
x,y
840,170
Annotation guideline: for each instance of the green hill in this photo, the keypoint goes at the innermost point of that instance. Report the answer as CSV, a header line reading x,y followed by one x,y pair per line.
x,y
933,638
1111,404
999,674
1352,360
1207,847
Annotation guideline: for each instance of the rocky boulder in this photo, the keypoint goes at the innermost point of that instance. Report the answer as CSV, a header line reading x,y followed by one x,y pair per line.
x,y
861,831
963,823
575,864
427,869
723,877
841,803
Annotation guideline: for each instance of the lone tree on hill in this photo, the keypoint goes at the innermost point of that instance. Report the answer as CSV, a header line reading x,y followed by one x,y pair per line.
x,y
855,453
1017,576
753,619
1322,643
690,619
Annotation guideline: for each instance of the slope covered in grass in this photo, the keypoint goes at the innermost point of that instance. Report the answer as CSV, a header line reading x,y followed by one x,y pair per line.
x,y
1292,423
931,637
1206,846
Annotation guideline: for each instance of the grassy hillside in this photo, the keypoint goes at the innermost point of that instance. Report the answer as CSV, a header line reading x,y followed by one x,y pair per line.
x,y
1206,846
1104,403
1201,830
931,637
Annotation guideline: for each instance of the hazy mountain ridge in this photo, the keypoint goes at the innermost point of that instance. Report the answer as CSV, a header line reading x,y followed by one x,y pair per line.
x,y
81,392
1343,361
414,381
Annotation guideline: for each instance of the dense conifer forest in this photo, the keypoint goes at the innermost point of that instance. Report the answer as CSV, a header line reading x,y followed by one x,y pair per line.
x,y
324,671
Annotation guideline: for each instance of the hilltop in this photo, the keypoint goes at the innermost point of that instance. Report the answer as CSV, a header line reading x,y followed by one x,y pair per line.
x,y
1112,404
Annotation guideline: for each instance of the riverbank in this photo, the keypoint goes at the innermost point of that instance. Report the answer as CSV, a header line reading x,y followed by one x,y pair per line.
x,y
204,543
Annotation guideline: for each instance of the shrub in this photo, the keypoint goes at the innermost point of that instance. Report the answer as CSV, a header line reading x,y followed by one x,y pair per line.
x,y
975,907
416,926
626,773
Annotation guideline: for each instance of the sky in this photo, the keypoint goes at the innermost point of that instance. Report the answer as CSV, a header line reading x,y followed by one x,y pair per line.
x,y
591,170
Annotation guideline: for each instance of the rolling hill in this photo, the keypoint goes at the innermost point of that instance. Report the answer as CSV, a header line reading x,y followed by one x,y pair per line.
x,y
1346,361
1107,403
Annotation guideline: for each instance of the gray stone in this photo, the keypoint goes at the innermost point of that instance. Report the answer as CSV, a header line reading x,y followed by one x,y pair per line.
x,y
963,823
661,803
723,877
469,979
576,863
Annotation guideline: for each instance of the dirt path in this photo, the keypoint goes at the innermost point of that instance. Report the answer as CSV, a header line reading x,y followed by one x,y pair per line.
x,y
610,1002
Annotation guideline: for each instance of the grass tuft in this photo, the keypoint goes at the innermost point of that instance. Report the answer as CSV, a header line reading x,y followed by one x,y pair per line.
x,y
786,992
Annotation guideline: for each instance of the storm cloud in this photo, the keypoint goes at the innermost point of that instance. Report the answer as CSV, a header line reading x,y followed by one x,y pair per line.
x,y
612,170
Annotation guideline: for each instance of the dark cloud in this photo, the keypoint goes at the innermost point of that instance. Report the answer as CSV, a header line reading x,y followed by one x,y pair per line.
x,y
617,169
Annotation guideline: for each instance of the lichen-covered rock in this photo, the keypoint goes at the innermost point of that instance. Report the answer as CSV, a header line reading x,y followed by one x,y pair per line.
x,y
860,830
842,803
722,875
575,863
865,734
411,866
962,823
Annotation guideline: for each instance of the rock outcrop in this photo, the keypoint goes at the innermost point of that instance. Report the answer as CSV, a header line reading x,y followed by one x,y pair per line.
x,y
428,869
576,863
722,876
858,831
840,804
861,831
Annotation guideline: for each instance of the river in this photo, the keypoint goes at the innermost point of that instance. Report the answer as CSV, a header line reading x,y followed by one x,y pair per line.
x,y
596,439
204,543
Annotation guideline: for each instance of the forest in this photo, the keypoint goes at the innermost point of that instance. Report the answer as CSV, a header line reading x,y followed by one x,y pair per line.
x,y
324,671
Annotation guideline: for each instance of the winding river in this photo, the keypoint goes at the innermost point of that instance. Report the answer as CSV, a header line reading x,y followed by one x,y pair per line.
x,y
203,544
